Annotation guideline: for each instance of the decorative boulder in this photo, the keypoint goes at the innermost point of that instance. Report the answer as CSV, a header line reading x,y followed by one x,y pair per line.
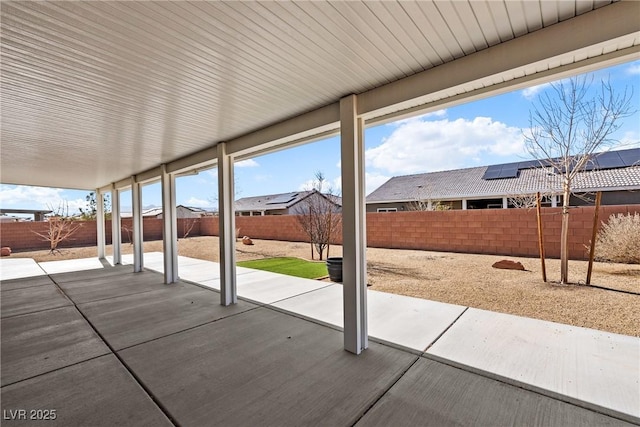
x,y
508,265
247,241
5,251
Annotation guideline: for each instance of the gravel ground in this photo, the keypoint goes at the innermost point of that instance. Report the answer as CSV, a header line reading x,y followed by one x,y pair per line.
x,y
464,279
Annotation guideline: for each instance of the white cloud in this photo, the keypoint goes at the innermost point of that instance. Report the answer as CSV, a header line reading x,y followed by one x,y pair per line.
x,y
630,139
332,186
200,203
307,185
19,195
531,92
249,163
212,173
633,69
24,197
419,146
374,180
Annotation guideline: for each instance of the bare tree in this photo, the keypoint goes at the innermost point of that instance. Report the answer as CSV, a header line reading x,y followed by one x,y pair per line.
x,y
423,200
61,227
187,226
129,231
522,201
567,126
318,216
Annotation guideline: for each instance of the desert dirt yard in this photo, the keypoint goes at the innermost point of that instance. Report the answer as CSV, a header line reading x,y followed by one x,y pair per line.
x,y
464,279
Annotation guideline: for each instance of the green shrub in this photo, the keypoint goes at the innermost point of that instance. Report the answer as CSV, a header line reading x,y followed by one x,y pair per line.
x,y
619,239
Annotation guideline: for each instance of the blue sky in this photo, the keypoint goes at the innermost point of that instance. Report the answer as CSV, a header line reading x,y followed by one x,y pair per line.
x,y
478,133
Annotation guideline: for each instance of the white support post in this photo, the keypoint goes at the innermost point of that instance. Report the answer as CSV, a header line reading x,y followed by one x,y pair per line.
x,y
228,291
554,201
354,265
116,234
429,205
136,217
100,231
464,204
505,203
169,227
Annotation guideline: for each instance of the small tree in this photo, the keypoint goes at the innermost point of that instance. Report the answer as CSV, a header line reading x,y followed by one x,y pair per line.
x,y
187,226
91,210
61,227
318,216
567,127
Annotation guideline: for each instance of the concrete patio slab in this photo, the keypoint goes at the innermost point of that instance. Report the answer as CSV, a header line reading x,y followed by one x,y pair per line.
x,y
213,284
594,369
111,286
264,368
35,343
323,305
53,267
25,282
15,268
398,320
266,288
98,392
434,394
203,270
413,323
91,274
31,299
133,319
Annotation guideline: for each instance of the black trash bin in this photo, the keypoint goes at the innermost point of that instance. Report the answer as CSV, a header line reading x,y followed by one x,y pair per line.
x,y
334,265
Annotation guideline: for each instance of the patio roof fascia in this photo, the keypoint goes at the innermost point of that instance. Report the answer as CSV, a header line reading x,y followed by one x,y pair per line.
x,y
522,55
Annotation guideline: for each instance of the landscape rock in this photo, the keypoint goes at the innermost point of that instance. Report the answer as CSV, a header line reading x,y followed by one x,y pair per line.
x,y
509,265
247,241
5,251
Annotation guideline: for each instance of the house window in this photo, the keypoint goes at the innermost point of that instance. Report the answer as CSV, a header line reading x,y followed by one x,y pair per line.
x,y
387,209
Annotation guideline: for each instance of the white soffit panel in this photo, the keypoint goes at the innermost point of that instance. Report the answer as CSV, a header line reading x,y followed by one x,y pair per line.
x,y
95,92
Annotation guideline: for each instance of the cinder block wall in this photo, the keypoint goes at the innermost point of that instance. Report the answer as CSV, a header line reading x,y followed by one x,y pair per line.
x,y
488,231
21,236
491,231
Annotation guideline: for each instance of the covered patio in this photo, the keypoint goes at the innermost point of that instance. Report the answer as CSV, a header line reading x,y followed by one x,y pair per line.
x,y
109,96
102,345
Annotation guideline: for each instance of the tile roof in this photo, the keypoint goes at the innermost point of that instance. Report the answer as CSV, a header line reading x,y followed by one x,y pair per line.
x,y
468,183
270,201
277,201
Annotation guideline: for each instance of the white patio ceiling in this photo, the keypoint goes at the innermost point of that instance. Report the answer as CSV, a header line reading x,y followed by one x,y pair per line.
x,y
95,92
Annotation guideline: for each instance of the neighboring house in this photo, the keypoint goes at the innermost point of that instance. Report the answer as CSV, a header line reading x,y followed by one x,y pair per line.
x,y
6,218
280,204
615,173
181,212
38,214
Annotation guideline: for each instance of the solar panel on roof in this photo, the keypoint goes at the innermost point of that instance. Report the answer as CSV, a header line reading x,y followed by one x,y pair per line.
x,y
283,198
630,157
610,160
492,172
529,164
509,171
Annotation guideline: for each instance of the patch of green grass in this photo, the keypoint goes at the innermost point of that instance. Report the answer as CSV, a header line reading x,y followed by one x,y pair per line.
x,y
289,266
